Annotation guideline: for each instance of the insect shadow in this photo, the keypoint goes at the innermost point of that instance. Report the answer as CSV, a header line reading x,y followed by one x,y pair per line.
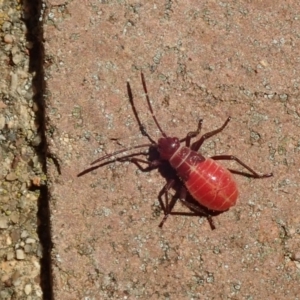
x,y
203,185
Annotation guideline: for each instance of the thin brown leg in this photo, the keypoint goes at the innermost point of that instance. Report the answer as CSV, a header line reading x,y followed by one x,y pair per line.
x,y
165,206
197,210
253,173
168,207
192,134
196,145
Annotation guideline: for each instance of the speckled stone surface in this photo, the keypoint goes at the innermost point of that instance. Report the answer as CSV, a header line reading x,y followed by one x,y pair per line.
x,y
22,174
207,59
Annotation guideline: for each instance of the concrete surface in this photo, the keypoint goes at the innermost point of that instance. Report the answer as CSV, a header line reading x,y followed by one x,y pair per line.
x,y
201,59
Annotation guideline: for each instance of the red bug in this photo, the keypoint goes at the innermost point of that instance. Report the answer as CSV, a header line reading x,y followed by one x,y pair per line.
x,y
210,184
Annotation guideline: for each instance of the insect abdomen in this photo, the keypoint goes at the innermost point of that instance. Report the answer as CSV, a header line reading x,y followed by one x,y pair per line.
x,y
209,183
212,185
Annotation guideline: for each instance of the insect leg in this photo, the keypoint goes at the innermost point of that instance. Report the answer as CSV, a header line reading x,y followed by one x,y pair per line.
x,y
253,173
195,208
168,208
165,206
192,134
196,145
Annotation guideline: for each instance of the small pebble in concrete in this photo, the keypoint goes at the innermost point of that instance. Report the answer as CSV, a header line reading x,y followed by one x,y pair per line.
x,y
24,234
3,222
11,176
296,256
2,122
28,289
10,255
20,254
8,39
30,241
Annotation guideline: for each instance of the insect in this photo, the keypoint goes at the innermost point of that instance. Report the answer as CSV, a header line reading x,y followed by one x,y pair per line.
x,y
210,185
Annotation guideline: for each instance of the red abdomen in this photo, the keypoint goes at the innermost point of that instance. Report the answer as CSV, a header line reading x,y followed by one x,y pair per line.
x,y
212,185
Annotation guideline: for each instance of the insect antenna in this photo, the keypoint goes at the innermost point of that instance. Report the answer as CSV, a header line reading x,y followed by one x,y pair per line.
x,y
141,126
118,152
150,106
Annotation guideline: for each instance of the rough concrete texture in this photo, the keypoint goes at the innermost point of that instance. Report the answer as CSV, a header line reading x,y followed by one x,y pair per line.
x,y
201,59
